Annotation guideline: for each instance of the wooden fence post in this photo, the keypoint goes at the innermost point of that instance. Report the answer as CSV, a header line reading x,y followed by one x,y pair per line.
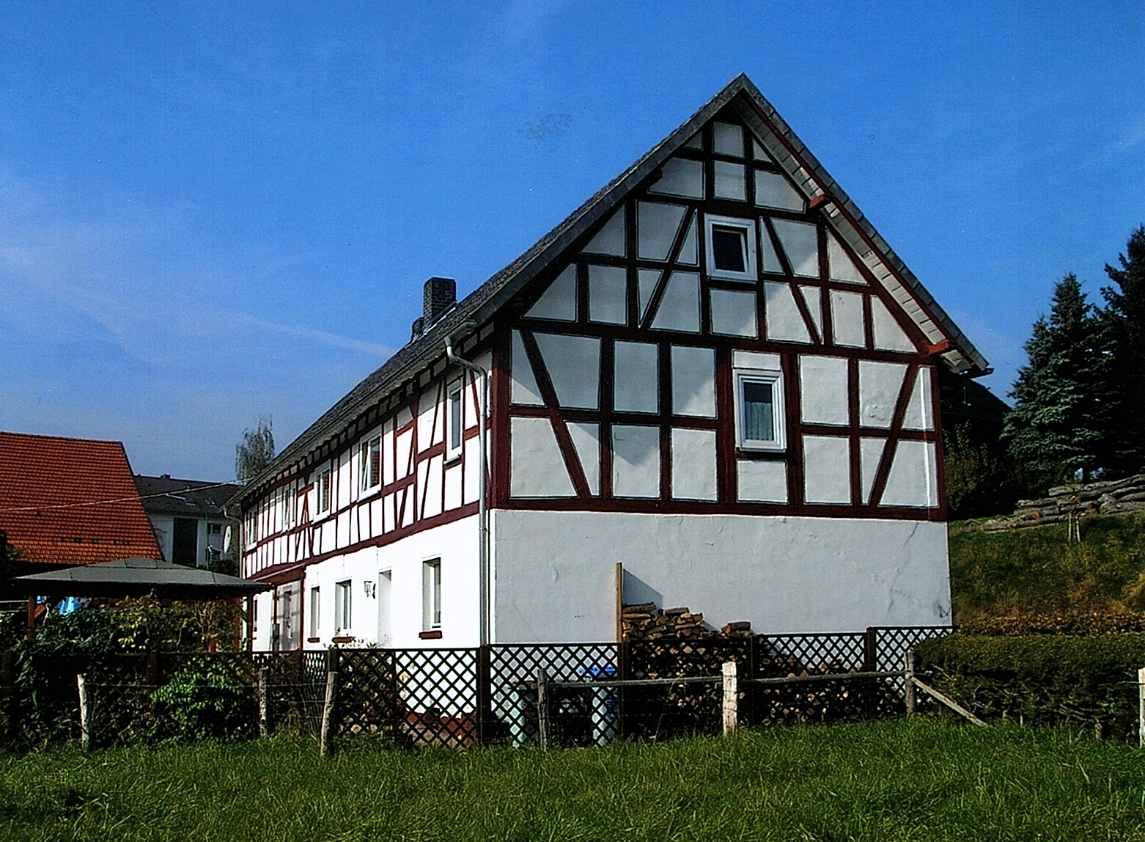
x,y
85,713
731,698
542,707
908,684
264,701
484,694
8,674
624,673
328,713
871,664
1141,708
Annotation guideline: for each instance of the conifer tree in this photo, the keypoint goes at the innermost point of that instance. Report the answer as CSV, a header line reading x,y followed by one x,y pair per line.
x,y
1062,397
1124,318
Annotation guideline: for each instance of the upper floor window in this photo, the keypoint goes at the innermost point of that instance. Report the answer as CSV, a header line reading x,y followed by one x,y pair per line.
x,y
759,410
324,480
731,248
315,611
456,418
370,463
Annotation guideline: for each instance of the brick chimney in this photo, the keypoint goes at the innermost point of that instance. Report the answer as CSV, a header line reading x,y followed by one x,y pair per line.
x,y
438,296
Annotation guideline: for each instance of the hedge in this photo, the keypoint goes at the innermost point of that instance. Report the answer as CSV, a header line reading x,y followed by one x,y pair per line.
x,y
1081,681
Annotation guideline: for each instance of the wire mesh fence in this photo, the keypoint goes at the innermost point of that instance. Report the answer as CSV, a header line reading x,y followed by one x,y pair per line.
x,y
452,697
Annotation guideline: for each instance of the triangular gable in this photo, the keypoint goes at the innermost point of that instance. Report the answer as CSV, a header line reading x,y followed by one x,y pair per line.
x,y
795,182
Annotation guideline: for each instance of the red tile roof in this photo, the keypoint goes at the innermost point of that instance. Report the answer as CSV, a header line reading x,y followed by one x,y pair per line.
x,y
71,501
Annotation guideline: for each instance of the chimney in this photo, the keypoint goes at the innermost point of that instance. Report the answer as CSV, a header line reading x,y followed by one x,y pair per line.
x,y
438,296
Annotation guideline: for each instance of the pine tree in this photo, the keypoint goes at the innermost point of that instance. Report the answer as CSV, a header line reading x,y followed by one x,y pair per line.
x,y
1062,397
1124,318
254,452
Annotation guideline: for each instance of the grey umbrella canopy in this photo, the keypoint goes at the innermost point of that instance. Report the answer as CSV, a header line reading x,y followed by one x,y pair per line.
x,y
136,577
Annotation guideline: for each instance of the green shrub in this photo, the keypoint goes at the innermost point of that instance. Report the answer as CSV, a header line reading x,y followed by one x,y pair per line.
x,y
208,701
1079,681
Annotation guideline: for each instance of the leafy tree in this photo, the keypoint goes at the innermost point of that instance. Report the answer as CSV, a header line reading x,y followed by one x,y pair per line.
x,y
1064,395
255,451
1124,318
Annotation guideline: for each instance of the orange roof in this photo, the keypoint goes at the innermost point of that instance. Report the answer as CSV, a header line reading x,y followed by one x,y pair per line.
x,y
71,501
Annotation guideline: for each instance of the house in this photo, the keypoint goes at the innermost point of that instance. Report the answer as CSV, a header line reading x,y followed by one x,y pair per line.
x,y
189,517
715,373
65,502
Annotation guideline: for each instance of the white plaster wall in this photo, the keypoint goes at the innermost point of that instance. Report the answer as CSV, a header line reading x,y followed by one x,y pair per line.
x,y
680,306
454,543
559,300
681,177
555,572
784,321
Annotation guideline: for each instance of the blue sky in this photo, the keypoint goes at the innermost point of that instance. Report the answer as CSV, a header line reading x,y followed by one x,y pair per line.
x,y
215,211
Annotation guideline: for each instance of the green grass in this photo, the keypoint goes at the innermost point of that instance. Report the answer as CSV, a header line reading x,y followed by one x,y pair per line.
x,y
1039,570
921,779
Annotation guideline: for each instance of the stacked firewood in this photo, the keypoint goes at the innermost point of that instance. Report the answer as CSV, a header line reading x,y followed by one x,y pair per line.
x,y
646,622
1068,502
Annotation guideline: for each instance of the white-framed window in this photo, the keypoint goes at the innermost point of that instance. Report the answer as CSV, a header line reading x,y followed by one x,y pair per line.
x,y
759,409
431,594
456,420
370,463
342,614
324,488
315,610
730,248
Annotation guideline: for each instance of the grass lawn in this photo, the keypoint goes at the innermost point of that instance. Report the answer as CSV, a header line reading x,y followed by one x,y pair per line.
x,y
897,780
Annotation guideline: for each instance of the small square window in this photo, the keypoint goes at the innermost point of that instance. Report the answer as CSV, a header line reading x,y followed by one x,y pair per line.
x,y
431,594
759,410
731,249
342,612
456,417
370,463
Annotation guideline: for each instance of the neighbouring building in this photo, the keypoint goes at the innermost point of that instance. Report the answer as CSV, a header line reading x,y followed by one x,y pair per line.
x,y
65,502
715,373
189,517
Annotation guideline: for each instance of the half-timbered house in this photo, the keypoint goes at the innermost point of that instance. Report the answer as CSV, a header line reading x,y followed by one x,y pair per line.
x,y
715,373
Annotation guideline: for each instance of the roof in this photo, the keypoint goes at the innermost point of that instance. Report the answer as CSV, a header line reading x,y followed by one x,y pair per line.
x,y
137,577
186,497
475,311
71,501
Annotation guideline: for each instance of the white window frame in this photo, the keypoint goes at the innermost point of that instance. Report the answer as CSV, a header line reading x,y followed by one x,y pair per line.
x,y
315,611
431,594
455,413
369,479
773,377
747,226
324,491
343,606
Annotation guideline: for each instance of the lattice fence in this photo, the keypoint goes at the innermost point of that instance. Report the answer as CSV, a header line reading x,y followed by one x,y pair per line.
x,y
577,717
462,697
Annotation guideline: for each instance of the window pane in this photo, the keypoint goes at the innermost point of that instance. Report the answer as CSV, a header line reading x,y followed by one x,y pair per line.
x,y
455,420
728,248
758,411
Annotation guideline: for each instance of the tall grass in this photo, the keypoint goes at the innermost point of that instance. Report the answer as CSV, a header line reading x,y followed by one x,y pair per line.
x,y
920,779
1040,570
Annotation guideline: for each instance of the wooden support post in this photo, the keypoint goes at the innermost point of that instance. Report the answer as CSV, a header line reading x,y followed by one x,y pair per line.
x,y
946,700
731,698
542,707
85,713
619,602
908,684
325,734
1141,708
263,702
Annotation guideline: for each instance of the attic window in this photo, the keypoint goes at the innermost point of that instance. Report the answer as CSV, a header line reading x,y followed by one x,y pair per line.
x,y
731,249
